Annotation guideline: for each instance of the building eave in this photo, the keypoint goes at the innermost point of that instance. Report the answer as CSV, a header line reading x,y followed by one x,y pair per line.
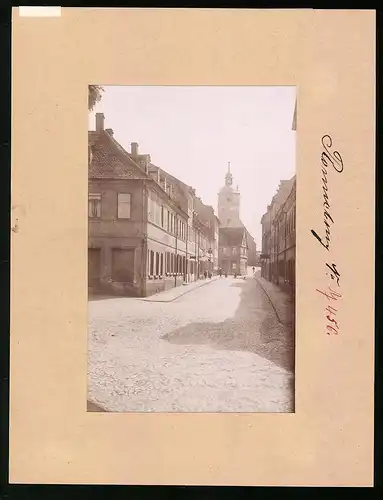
x,y
164,195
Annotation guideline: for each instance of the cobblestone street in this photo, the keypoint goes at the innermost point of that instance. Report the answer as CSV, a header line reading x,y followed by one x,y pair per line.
x,y
218,348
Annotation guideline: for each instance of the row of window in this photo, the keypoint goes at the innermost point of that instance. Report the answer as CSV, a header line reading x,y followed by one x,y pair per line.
x,y
157,214
161,263
285,229
123,205
161,216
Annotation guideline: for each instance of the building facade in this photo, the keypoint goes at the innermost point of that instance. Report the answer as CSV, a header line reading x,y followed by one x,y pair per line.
x,y
278,237
208,225
116,217
283,251
251,250
233,250
265,256
277,257
144,233
168,235
258,258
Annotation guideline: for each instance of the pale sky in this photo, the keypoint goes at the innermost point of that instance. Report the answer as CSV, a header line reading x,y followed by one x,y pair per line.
x,y
193,132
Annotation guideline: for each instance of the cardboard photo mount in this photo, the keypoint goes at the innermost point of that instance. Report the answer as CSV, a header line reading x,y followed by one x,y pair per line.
x,y
330,57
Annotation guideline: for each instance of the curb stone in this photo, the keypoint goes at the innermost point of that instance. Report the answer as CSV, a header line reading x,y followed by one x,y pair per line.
x,y
284,323
181,294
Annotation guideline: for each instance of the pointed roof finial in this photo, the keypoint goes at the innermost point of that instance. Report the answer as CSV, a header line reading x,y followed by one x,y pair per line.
x,y
229,177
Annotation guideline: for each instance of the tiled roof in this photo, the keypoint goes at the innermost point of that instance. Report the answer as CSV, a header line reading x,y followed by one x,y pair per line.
x,y
110,161
153,168
231,236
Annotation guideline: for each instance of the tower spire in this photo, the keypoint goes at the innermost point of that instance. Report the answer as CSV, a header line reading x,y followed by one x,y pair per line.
x,y
229,177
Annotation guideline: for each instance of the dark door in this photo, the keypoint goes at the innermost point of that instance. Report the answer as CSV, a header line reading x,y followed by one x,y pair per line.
x,y
123,265
94,266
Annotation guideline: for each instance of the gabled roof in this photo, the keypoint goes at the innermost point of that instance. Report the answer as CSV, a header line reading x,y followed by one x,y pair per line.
x,y
231,236
110,160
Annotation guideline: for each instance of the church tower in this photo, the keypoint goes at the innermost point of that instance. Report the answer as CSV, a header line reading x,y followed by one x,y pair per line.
x,y
229,203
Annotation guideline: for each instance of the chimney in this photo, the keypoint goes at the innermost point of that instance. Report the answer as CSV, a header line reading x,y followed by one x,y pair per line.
x,y
147,160
134,149
100,118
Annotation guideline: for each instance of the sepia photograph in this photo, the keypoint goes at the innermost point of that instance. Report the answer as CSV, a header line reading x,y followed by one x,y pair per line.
x,y
202,324
191,249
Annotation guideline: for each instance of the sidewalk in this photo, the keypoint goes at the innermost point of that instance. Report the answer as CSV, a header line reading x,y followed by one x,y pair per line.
x,y
174,293
281,301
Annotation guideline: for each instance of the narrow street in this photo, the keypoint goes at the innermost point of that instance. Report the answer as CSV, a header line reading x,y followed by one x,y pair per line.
x,y
219,348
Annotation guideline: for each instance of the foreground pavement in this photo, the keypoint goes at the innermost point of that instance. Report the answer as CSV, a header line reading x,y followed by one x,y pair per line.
x,y
218,348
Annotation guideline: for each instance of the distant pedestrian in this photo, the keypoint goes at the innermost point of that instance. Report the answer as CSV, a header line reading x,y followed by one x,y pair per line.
x,y
209,275
253,270
220,272
205,274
